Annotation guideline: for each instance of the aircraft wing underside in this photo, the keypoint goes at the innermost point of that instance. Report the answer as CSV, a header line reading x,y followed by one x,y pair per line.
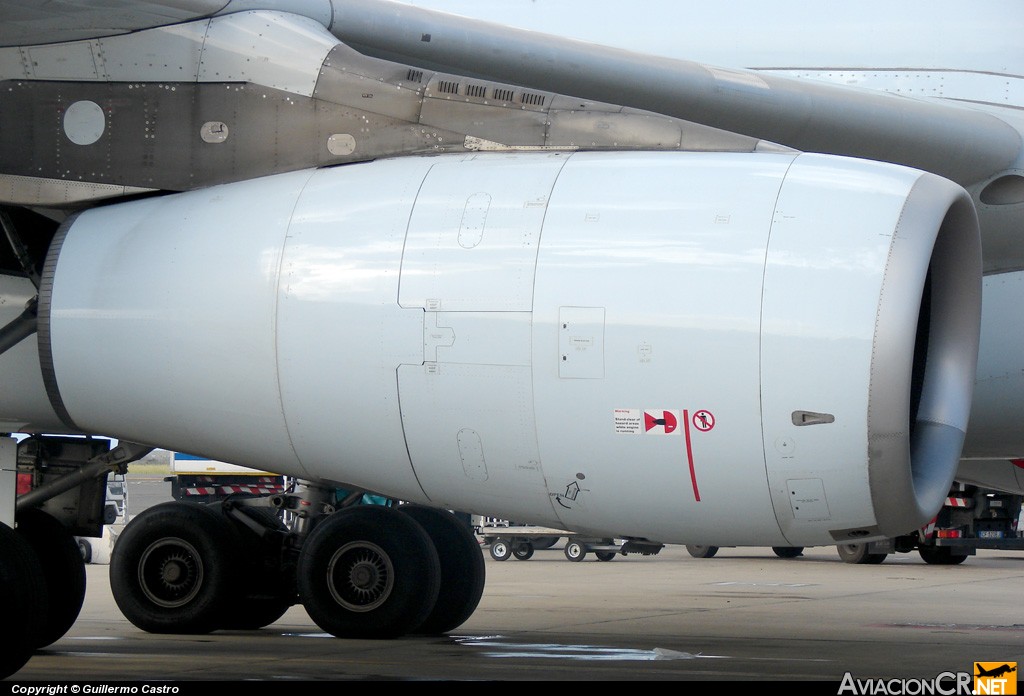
x,y
976,145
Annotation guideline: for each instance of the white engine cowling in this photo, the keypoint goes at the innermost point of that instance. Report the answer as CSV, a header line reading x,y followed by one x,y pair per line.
x,y
728,349
1005,475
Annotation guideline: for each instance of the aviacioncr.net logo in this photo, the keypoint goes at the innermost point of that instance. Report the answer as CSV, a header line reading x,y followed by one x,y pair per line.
x,y
995,678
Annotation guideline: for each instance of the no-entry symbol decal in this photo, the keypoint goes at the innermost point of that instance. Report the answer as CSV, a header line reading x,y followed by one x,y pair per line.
x,y
703,420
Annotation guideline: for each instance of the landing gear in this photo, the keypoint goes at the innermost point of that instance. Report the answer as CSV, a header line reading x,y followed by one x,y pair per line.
x,y
368,572
42,569
858,554
462,568
365,571
22,586
788,551
63,571
173,569
700,551
85,550
267,580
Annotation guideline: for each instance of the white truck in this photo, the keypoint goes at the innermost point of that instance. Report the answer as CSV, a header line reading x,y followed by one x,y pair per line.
x,y
206,480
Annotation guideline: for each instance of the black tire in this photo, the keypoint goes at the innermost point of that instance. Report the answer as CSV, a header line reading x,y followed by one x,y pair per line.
x,y
545,542
940,555
575,551
266,589
85,549
523,551
501,550
605,555
858,554
368,572
701,551
788,551
255,613
63,570
463,571
174,569
24,595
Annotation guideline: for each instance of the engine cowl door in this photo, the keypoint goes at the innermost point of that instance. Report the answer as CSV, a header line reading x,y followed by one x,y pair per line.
x,y
469,263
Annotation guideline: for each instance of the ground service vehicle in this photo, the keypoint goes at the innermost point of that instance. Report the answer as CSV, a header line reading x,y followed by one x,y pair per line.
x,y
972,518
505,540
206,480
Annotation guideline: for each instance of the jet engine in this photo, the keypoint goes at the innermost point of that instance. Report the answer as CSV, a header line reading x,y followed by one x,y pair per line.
x,y
715,348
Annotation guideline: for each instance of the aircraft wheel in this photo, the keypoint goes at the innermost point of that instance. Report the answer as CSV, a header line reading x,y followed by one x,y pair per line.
x,y
605,555
574,551
368,572
500,550
257,613
85,549
266,590
701,551
173,569
523,551
940,555
63,570
788,551
463,570
858,554
22,586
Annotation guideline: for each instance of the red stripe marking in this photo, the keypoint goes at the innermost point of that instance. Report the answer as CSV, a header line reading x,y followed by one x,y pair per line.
x,y
689,455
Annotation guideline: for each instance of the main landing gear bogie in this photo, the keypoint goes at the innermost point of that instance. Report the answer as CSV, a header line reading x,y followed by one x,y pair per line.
x,y
42,581
365,571
63,571
23,590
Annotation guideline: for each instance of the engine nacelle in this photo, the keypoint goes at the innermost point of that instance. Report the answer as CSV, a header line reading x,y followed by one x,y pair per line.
x,y
728,349
997,410
1006,475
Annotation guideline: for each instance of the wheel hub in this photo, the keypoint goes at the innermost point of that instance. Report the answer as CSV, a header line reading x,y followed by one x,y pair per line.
x,y
174,570
364,576
360,576
170,572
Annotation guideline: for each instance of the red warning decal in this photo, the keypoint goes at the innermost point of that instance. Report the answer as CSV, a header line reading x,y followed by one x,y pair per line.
x,y
703,420
660,422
